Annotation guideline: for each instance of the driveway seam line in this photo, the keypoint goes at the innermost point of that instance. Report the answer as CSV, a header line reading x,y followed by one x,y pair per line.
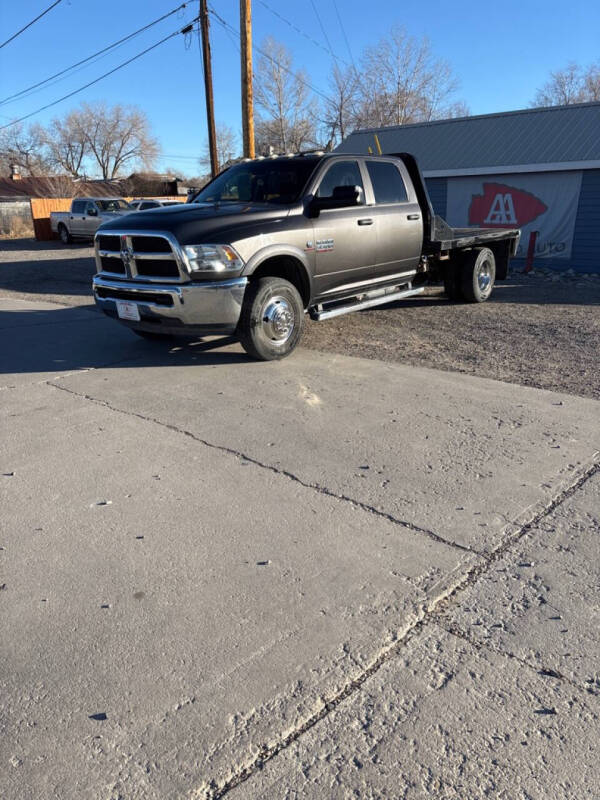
x,y
270,468
429,614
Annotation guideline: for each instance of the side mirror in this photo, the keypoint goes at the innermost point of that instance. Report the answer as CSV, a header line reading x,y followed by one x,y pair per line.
x,y
92,212
341,197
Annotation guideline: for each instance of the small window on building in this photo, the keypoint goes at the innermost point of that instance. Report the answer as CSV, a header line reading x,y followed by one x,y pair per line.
x,y
388,185
341,173
78,207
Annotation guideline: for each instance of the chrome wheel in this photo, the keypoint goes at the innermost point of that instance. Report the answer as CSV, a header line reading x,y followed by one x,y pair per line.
x,y
484,277
278,320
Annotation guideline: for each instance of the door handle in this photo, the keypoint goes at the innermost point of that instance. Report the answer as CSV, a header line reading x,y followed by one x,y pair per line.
x,y
413,216
367,221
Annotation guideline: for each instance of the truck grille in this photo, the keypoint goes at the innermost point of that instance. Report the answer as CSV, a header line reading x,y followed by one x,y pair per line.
x,y
150,256
112,265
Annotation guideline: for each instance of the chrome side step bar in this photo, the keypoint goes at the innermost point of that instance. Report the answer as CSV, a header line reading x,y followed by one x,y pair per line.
x,y
377,298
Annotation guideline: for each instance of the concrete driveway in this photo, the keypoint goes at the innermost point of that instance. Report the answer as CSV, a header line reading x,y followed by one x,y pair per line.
x,y
325,577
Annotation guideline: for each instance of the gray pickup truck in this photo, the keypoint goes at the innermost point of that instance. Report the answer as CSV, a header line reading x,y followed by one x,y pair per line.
x,y
86,216
270,239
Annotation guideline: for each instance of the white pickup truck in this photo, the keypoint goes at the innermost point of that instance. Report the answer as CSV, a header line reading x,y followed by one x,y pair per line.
x,y
86,215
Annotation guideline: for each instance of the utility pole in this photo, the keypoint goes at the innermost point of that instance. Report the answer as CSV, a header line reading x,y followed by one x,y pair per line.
x,y
247,95
208,89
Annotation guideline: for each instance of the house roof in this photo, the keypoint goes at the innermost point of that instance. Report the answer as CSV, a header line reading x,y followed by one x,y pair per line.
x,y
56,186
531,140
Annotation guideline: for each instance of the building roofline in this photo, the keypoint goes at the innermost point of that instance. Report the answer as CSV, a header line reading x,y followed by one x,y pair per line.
x,y
496,114
509,169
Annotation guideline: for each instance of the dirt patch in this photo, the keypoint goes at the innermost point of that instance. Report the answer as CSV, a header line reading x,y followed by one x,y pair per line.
x,y
47,271
536,330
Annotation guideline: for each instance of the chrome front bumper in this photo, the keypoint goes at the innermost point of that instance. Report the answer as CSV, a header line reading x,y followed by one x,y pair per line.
x,y
184,309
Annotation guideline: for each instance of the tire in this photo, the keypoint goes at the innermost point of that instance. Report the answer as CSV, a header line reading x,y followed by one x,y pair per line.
x,y
64,234
272,319
478,274
151,336
452,286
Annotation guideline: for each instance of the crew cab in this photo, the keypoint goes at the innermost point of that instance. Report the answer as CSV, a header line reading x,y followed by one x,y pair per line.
x,y
271,239
85,216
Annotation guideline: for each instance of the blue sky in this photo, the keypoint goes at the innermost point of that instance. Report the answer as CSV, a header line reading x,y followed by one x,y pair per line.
x,y
500,52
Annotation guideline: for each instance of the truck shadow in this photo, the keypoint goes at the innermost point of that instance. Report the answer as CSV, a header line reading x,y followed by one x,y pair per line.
x,y
60,340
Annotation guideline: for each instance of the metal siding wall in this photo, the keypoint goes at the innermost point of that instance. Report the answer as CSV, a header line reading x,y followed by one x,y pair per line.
x,y
586,242
437,188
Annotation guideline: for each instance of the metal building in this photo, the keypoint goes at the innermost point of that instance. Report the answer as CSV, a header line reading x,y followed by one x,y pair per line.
x,y
538,169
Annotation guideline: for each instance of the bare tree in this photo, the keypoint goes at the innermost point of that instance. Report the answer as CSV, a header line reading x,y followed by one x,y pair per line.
x,y
591,82
66,143
403,82
573,84
24,148
339,111
117,137
284,122
228,147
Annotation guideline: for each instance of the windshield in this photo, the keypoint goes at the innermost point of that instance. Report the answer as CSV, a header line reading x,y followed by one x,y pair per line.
x,y
112,205
270,181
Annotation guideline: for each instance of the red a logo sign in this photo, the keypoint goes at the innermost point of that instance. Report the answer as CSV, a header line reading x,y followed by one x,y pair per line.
x,y
502,206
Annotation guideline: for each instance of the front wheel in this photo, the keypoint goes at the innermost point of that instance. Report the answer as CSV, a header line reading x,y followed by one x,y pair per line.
x,y
478,275
64,234
272,318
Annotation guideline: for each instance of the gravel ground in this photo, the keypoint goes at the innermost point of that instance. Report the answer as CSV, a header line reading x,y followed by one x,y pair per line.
x,y
537,330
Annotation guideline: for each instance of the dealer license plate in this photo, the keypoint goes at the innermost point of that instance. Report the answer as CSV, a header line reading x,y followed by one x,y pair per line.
x,y
127,310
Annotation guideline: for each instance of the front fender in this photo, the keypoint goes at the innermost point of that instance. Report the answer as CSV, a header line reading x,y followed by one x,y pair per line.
x,y
275,251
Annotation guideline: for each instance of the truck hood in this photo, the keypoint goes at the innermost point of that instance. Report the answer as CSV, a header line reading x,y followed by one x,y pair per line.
x,y
194,223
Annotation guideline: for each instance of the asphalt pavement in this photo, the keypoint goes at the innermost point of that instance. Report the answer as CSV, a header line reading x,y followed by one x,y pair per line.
x,y
322,577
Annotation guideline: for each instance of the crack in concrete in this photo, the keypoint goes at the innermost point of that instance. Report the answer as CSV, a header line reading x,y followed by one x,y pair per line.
x,y
275,470
540,670
430,614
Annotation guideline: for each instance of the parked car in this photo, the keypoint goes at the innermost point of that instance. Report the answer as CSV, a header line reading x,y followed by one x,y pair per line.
x,y
144,205
270,239
86,214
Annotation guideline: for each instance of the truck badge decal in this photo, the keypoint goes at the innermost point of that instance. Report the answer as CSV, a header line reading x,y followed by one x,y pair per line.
x,y
324,245
126,254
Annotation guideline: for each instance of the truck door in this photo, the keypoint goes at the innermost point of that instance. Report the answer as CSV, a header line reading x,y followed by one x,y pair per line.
x,y
92,219
398,217
344,238
77,218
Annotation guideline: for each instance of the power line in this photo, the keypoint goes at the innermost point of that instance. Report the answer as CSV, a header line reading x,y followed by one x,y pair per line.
x,y
344,35
323,31
299,30
185,29
224,24
89,58
29,24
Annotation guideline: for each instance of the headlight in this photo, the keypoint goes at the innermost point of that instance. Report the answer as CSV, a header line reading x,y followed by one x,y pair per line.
x,y
213,258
